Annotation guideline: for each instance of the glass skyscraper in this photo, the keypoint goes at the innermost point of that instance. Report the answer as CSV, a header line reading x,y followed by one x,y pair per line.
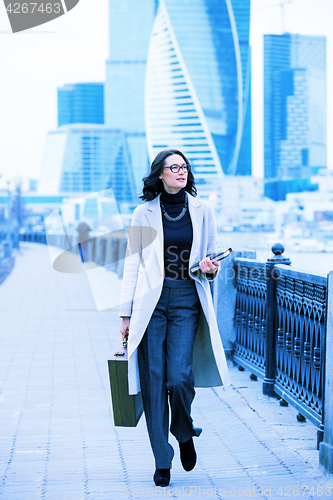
x,y
178,76
130,28
195,86
83,158
294,111
81,103
241,10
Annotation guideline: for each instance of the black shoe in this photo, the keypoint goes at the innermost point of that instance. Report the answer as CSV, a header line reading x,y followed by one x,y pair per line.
x,y
162,477
188,455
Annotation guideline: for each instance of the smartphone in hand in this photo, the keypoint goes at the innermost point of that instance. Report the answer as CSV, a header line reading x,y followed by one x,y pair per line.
x,y
216,256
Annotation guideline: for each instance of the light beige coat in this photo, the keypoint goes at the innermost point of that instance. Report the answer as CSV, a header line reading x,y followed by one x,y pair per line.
x,y
143,282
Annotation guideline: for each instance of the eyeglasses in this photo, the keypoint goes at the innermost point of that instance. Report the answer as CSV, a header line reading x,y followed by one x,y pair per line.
x,y
175,168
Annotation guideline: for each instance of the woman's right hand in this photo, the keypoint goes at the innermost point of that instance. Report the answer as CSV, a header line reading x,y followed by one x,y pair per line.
x,y
124,329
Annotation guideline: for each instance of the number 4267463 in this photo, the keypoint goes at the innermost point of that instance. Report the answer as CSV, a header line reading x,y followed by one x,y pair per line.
x,y
31,7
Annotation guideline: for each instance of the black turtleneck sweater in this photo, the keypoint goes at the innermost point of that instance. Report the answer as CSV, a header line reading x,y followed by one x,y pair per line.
x,y
178,236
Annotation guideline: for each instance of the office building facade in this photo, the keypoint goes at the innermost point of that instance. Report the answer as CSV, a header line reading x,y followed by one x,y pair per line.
x,y
195,87
81,103
178,76
130,29
294,111
81,158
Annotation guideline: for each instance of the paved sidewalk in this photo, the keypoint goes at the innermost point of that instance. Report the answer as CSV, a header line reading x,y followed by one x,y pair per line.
x,y
57,438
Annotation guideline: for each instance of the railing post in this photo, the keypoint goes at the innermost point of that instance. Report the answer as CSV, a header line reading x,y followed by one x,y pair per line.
x,y
7,248
270,358
326,446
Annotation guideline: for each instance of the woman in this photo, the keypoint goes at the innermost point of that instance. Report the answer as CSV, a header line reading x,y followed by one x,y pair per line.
x,y
167,311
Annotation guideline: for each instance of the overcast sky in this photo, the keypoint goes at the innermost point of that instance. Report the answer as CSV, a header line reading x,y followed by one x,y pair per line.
x,y
74,48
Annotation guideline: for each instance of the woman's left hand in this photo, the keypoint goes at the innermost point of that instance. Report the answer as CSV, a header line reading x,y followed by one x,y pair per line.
x,y
207,266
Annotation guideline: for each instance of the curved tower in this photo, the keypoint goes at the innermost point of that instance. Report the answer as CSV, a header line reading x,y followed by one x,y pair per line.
x,y
197,82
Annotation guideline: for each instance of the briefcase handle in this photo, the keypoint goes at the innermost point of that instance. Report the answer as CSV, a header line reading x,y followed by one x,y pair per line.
x,y
121,353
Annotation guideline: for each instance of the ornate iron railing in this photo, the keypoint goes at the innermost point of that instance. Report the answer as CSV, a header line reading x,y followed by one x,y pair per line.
x,y
300,346
280,332
33,237
250,315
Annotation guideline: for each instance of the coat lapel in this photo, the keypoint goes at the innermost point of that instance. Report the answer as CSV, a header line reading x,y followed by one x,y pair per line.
x,y
196,213
154,217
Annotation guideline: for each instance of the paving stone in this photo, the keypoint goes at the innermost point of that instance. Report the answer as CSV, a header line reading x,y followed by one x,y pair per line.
x,y
57,438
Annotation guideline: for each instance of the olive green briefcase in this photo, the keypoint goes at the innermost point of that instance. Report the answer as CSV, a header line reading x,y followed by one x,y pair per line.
x,y
127,409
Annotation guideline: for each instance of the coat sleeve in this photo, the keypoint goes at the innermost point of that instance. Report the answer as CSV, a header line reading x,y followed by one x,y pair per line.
x,y
212,237
209,227
132,263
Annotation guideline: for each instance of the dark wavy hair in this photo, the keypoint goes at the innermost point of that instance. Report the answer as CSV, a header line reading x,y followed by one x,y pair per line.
x,y
152,185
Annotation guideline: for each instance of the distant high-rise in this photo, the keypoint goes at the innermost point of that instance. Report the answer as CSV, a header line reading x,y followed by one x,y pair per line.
x,y
130,29
241,10
198,87
294,111
83,155
178,76
81,158
81,103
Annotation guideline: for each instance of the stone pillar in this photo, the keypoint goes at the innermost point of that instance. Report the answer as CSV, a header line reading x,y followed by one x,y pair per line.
x,y
100,243
326,446
114,254
121,256
108,251
7,248
91,250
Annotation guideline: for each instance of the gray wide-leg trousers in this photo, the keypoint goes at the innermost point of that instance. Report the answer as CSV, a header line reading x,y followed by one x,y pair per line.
x,y
165,358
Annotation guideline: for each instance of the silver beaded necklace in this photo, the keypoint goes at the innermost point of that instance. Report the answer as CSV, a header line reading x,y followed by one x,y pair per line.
x,y
182,213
